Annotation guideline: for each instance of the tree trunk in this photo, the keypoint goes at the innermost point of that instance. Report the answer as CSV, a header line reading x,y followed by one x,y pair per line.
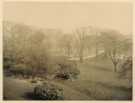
x,y
81,54
96,50
105,54
81,59
68,51
115,67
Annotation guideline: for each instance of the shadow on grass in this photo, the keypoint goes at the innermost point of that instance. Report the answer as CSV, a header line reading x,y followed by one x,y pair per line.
x,y
30,96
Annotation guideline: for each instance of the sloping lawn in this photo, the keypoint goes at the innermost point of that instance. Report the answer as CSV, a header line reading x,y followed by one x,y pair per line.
x,y
16,89
99,81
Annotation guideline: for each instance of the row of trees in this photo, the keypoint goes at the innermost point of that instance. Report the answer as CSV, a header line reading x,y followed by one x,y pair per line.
x,y
23,45
114,45
28,51
34,47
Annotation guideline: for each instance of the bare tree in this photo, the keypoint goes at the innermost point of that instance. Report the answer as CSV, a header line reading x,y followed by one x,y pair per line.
x,y
36,55
81,36
111,41
92,43
15,40
66,43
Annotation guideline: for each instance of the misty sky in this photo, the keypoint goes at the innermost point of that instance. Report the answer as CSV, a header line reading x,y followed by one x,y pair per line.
x,y
68,16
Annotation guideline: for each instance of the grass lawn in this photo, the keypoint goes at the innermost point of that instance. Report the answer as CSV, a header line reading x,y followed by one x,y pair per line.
x,y
97,81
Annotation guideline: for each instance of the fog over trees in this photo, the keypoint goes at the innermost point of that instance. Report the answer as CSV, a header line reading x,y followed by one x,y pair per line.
x,y
22,42
52,54
67,51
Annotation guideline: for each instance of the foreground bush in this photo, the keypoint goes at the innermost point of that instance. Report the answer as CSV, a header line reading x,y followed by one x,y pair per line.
x,y
48,91
126,70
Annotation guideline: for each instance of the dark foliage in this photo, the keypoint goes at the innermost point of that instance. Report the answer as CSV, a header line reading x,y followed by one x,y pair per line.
x,y
48,91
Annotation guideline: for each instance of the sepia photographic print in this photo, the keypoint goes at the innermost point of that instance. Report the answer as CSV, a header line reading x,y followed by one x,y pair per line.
x,y
67,51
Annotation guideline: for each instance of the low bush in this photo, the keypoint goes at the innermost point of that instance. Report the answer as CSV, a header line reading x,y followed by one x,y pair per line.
x,y
33,81
8,63
125,68
126,71
59,67
48,91
68,70
55,68
21,69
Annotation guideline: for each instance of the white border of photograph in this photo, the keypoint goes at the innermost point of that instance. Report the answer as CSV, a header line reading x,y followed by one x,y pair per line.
x,y
87,101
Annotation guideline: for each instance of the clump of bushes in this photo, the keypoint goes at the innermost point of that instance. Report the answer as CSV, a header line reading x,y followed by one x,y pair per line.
x,y
126,66
126,70
60,67
48,91
33,81
21,69
68,70
54,68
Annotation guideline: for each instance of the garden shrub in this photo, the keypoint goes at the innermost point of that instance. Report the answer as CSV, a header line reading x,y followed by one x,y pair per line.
x,y
68,70
48,91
